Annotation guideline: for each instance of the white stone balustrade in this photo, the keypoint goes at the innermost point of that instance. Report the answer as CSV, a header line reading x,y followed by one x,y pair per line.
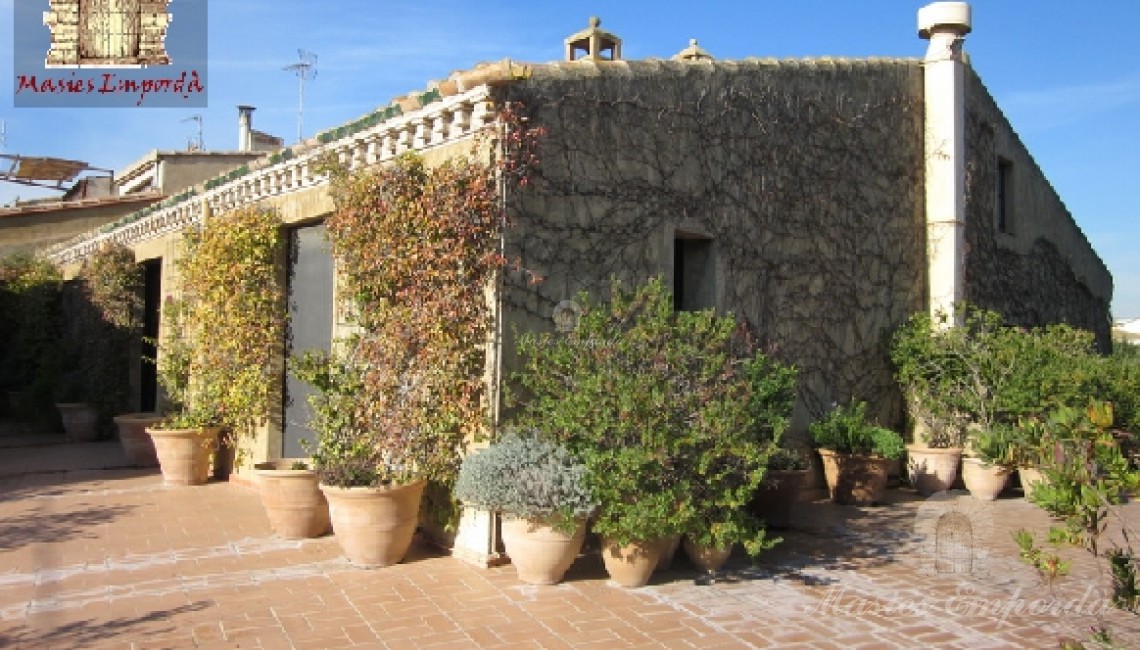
x,y
448,120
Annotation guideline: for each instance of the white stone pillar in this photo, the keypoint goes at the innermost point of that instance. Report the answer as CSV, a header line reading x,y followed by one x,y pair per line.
x,y
945,25
477,538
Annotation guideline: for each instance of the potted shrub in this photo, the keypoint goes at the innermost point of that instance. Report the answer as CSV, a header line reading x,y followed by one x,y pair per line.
x,y
219,357
416,248
968,371
781,487
373,498
232,280
657,404
942,371
989,461
856,455
111,285
541,491
187,434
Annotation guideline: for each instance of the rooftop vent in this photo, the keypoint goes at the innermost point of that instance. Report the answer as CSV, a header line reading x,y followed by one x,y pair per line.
x,y
245,128
693,53
593,44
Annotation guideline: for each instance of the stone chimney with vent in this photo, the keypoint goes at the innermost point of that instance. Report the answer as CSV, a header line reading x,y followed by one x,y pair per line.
x,y
593,44
945,25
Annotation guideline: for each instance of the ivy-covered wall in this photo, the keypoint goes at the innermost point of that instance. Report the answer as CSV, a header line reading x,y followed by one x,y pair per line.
x,y
1040,268
804,176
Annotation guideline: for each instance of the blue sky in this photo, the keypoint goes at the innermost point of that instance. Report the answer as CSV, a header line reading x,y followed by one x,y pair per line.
x,y
1066,74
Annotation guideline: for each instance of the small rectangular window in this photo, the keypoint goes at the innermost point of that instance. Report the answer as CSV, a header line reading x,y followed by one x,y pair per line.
x,y
694,281
1004,216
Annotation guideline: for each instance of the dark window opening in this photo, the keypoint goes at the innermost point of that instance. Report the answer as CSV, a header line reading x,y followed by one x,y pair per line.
x,y
694,280
152,314
1004,216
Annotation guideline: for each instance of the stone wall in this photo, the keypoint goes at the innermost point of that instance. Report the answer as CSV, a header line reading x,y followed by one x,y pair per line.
x,y
804,176
1041,267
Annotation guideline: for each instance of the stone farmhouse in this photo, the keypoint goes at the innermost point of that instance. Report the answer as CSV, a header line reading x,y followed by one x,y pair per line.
x,y
823,200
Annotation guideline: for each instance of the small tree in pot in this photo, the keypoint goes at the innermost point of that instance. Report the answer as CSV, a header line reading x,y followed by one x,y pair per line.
x,y
542,492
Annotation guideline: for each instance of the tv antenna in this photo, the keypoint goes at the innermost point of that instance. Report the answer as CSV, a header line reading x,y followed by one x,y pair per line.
x,y
199,144
305,68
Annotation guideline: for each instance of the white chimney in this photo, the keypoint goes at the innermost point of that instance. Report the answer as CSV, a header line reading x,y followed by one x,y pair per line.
x,y
245,128
945,25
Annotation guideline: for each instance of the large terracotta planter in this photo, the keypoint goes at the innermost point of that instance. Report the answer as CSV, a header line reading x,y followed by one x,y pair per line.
x,y
137,443
374,526
184,454
777,495
932,469
540,552
666,549
706,558
1030,477
630,565
79,420
984,481
293,501
854,480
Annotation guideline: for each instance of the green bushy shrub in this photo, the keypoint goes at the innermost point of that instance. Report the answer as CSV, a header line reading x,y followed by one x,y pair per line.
x,y
845,430
673,413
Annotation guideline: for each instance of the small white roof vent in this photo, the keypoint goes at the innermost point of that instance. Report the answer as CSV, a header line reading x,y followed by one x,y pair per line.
x,y
693,53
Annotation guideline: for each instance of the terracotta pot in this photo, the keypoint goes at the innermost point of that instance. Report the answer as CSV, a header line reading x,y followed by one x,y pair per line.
x,y
137,444
184,454
777,495
854,480
984,481
932,469
630,565
374,526
1030,477
706,558
294,503
79,421
540,552
666,549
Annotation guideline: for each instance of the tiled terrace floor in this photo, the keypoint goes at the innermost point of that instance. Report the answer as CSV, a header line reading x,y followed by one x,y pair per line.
x,y
95,555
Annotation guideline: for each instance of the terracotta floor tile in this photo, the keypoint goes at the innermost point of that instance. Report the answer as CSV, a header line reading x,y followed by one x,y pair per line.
x,y
114,574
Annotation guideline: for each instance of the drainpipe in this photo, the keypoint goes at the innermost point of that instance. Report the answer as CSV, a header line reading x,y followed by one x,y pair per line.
x,y
945,25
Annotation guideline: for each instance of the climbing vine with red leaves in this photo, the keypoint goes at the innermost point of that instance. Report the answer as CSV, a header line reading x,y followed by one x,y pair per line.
x,y
418,248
